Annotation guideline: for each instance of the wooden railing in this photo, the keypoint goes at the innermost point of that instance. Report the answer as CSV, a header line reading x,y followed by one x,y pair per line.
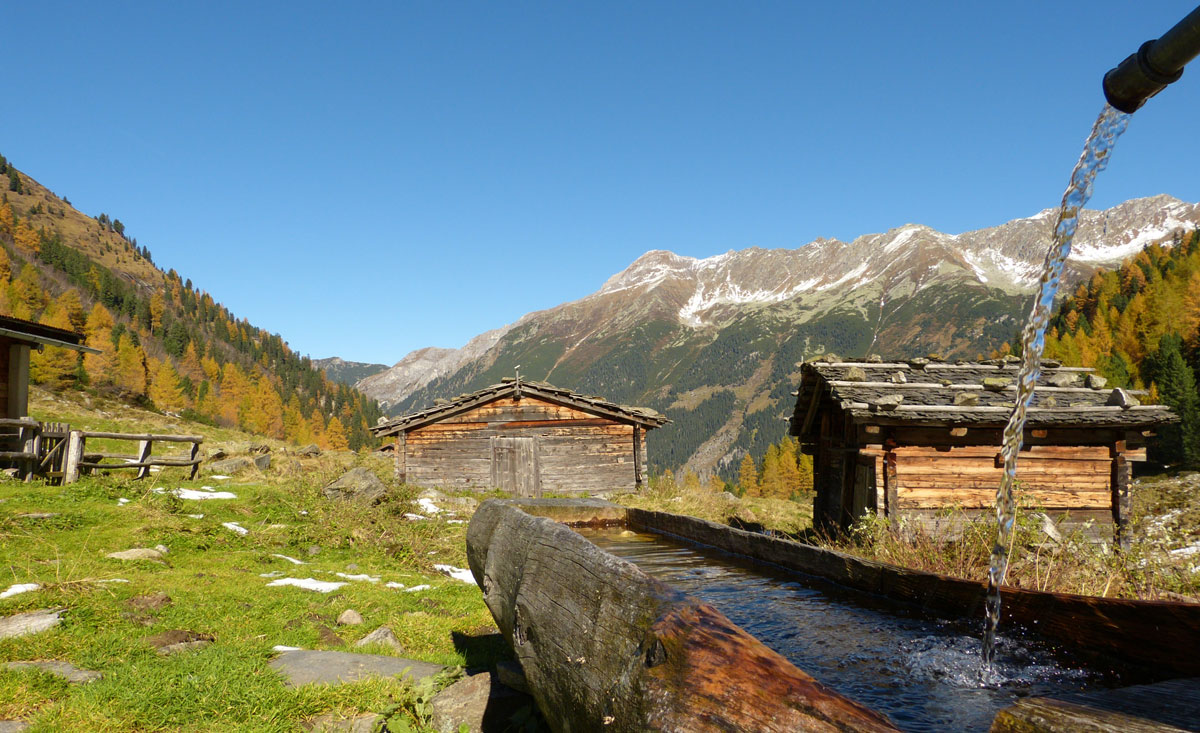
x,y
23,433
78,461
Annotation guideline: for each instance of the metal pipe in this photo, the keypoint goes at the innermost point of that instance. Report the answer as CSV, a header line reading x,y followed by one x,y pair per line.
x,y
1155,65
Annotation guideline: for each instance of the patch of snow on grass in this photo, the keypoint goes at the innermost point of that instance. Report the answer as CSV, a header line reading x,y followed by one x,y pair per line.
x,y
282,648
196,516
457,573
199,495
19,588
414,517
122,501
219,477
393,584
416,588
320,586
364,576
292,560
428,506
235,527
456,521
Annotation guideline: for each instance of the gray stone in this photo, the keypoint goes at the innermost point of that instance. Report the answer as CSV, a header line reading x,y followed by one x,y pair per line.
x,y
314,550
856,374
37,515
309,451
138,553
887,402
480,702
829,358
1095,381
432,494
996,384
229,466
511,675
335,723
349,617
1122,398
1049,528
329,637
1063,379
383,635
321,667
899,378
874,359
162,548
262,462
30,622
358,484
13,726
66,670
966,399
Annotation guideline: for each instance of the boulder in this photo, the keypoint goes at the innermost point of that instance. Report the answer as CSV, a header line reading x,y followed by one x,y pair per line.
x,y
310,451
336,723
137,553
321,667
229,466
383,635
67,671
966,399
1122,398
349,617
262,462
1095,381
30,622
996,384
480,703
357,484
856,374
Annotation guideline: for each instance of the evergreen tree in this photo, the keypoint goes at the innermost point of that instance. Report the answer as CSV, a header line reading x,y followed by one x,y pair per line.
x,y
335,435
165,390
1180,442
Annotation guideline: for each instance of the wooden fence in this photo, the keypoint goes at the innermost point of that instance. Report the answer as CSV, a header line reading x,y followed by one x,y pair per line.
x,y
57,453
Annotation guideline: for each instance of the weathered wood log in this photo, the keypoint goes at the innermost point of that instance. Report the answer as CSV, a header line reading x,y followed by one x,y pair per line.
x,y
141,436
1165,707
1143,636
606,647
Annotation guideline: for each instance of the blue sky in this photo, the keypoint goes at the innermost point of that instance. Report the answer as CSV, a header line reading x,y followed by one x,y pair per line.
x,y
370,178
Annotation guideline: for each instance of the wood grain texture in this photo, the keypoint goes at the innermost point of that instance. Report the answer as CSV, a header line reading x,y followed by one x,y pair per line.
x,y
606,647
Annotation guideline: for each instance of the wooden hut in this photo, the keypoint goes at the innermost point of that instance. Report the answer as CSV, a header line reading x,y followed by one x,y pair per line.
x,y
528,438
909,439
17,337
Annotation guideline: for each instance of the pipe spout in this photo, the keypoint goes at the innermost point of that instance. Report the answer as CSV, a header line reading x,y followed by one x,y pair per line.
x,y
1155,65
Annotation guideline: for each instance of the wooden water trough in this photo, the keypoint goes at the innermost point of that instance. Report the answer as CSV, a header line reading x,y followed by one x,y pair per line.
x,y
604,646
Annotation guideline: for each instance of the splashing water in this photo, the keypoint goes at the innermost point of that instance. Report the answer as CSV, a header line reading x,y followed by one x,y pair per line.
x,y
1096,152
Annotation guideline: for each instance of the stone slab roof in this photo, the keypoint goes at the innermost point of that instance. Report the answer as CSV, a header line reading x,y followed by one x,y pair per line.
x,y
929,392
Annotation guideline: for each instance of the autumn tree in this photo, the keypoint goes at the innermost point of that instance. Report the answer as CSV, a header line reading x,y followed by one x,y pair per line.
x,y
165,390
748,477
54,366
335,435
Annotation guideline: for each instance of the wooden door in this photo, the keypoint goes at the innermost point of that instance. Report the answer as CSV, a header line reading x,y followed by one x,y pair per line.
x,y
864,487
515,466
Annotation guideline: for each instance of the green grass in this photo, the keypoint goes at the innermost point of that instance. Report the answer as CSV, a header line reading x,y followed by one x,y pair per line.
x,y
213,578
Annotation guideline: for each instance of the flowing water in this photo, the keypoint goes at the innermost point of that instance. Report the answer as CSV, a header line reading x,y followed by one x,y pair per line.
x,y
1096,152
921,673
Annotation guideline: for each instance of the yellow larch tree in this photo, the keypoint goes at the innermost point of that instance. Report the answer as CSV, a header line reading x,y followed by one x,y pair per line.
x,y
335,435
54,366
165,390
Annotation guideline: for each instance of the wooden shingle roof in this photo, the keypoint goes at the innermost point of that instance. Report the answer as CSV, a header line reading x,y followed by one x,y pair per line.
x,y
517,388
926,392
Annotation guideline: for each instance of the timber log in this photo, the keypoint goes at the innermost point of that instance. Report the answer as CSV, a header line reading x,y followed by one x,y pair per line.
x,y
606,647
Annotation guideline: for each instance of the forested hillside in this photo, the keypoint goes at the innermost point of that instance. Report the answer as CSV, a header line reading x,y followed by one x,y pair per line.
x,y
1139,325
164,341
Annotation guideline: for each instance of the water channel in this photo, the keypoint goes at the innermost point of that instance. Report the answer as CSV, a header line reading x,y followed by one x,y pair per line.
x,y
922,673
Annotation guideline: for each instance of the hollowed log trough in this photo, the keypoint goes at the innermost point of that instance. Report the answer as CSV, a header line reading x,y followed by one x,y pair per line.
x,y
606,647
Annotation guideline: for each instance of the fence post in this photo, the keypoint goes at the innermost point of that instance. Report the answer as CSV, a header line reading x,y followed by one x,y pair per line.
x,y
73,457
30,445
143,456
191,457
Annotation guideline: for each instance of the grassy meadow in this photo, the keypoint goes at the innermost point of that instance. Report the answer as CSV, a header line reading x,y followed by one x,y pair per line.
x,y
214,578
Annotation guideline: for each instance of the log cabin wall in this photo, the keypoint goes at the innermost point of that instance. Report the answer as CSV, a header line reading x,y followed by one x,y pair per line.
x,y
910,440
576,451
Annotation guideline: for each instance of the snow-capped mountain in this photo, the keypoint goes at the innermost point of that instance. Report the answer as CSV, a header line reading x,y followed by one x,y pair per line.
x,y
713,342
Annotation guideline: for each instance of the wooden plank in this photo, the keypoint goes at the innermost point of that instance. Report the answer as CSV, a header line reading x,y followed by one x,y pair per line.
x,y
75,445
637,456
141,436
982,498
